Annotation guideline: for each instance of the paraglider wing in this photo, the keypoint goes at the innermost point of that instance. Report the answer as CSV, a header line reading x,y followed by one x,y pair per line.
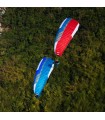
x,y
42,74
65,33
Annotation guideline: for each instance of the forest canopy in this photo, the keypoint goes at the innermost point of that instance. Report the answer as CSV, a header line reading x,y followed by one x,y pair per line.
x,y
77,84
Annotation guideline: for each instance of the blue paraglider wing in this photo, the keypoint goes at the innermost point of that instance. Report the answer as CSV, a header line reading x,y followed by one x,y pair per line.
x,y
42,74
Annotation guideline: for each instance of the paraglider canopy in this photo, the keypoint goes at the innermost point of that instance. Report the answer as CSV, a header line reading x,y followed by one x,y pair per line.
x,y
42,74
65,33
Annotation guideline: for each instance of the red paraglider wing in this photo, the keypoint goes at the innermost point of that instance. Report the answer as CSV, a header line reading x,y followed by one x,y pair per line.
x,y
66,37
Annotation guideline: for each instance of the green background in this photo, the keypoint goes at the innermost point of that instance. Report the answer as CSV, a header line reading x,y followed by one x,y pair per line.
x,y
77,84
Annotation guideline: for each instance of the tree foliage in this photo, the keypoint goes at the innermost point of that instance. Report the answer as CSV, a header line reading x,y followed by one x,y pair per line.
x,y
77,84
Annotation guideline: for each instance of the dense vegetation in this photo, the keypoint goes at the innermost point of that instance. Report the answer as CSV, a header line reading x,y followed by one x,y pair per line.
x,y
77,84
